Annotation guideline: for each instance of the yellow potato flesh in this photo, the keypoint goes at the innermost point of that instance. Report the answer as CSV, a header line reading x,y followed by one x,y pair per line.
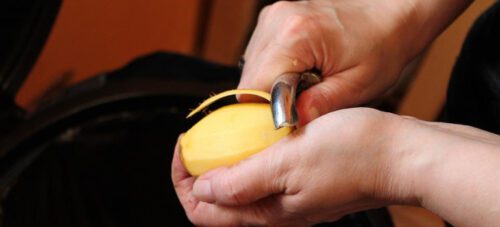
x,y
228,135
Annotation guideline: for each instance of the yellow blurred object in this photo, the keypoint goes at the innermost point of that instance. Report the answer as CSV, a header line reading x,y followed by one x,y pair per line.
x,y
229,134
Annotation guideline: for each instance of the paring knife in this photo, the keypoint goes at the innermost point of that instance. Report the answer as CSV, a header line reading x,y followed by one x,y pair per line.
x,y
285,90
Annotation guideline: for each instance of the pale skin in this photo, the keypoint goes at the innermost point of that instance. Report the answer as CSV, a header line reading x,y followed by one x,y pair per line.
x,y
343,159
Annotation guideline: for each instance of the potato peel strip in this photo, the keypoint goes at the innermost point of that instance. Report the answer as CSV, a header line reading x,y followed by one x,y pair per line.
x,y
214,98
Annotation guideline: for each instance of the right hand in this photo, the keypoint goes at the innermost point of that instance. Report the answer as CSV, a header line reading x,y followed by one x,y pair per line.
x,y
355,44
360,46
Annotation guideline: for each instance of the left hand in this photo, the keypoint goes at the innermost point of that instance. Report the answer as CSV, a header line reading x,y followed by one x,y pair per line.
x,y
351,160
333,166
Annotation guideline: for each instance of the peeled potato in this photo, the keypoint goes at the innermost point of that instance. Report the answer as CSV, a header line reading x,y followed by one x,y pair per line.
x,y
229,134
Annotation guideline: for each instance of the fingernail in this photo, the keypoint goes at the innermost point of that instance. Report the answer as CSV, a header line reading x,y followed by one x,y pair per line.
x,y
202,190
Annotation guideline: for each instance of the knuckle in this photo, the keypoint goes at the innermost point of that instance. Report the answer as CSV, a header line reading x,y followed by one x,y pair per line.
x,y
296,24
280,7
275,10
263,13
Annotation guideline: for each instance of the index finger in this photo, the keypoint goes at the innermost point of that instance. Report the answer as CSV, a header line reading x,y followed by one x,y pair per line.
x,y
262,68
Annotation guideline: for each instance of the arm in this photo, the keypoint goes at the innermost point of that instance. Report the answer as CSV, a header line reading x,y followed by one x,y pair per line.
x,y
360,46
456,172
351,160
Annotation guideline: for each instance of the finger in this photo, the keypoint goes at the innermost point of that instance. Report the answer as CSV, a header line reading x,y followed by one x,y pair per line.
x,y
262,69
206,214
331,94
201,213
266,212
182,181
259,176
256,214
286,47
179,172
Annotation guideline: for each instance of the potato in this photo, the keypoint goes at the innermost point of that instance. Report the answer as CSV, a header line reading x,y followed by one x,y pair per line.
x,y
229,134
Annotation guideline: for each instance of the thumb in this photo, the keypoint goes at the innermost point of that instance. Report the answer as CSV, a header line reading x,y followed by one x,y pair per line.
x,y
331,94
252,179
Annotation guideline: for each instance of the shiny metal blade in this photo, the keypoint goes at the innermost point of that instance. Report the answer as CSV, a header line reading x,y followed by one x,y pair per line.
x,y
283,94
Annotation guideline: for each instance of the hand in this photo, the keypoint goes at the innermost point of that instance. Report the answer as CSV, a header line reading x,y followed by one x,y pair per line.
x,y
329,168
349,41
360,46
351,160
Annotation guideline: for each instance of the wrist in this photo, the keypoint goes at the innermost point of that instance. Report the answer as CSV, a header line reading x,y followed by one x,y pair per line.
x,y
388,178
415,159
419,22
400,172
